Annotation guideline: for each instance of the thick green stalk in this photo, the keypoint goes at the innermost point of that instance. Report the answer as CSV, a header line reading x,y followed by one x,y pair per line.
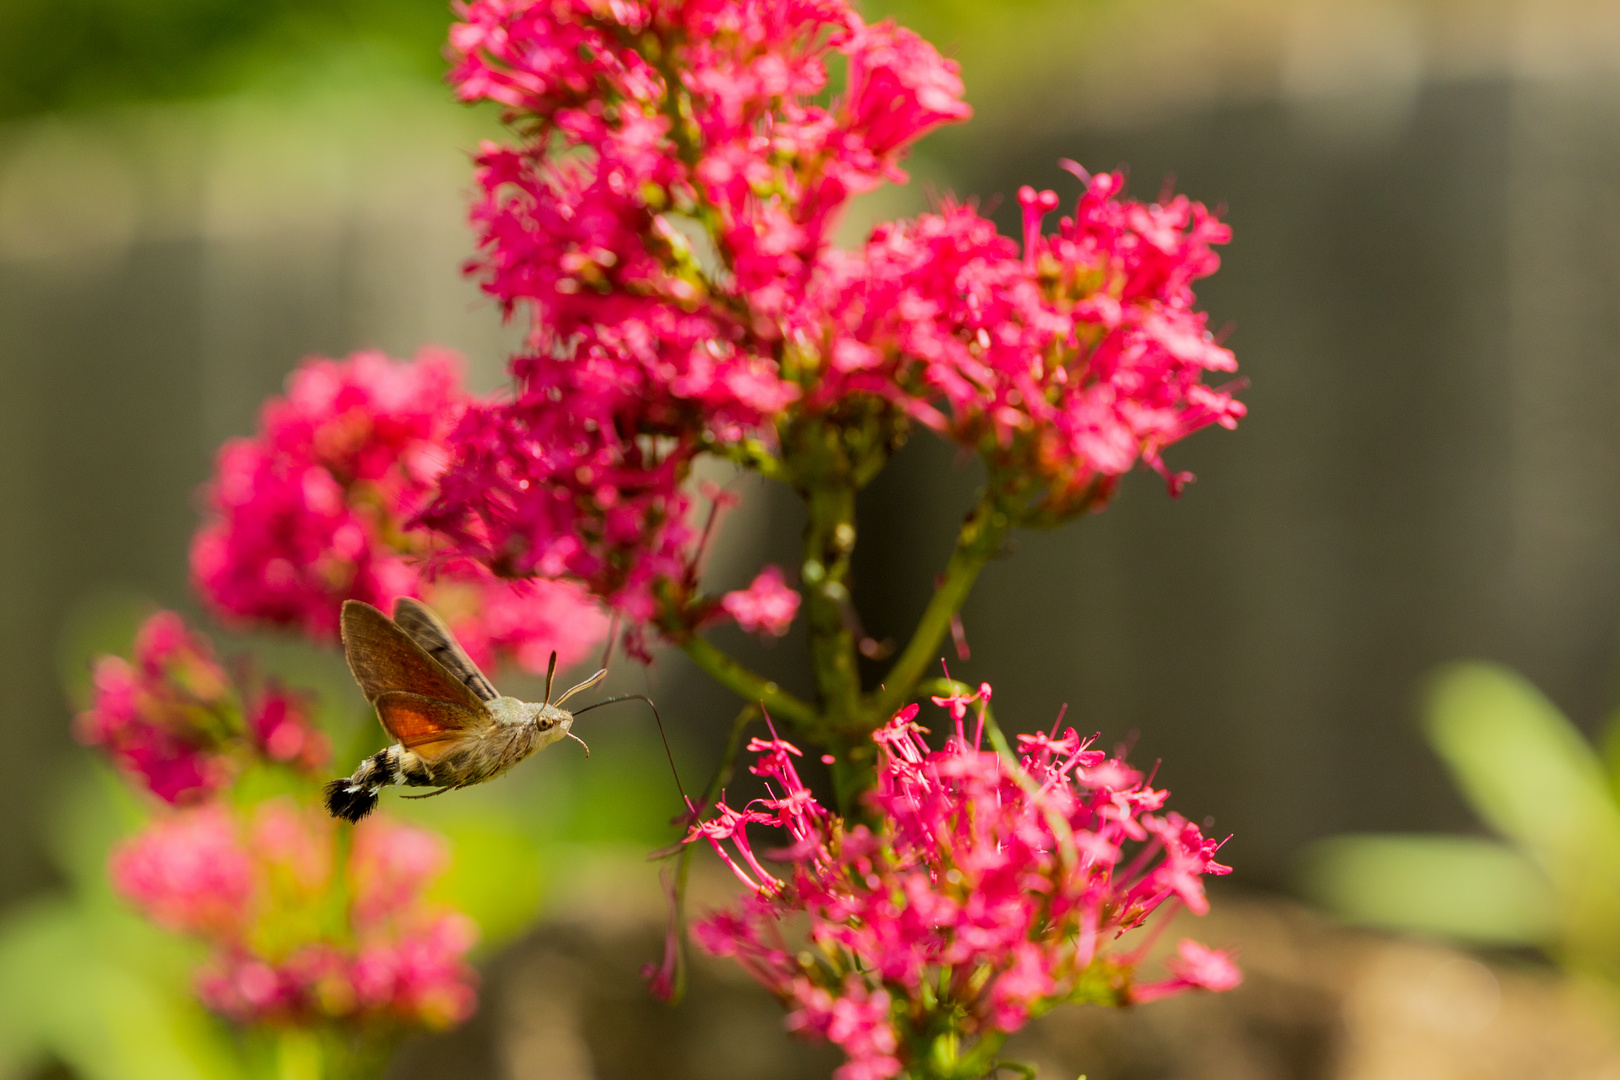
x,y
829,542
981,537
854,771
752,687
979,1061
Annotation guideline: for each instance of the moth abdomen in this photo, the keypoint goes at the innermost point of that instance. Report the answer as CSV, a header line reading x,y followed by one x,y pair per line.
x,y
353,797
347,801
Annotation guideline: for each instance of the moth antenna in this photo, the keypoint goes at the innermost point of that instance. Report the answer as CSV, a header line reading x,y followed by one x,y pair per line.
x,y
586,685
612,639
581,742
661,734
551,673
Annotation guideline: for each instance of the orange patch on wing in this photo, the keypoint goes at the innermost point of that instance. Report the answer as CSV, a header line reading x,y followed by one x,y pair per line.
x,y
427,726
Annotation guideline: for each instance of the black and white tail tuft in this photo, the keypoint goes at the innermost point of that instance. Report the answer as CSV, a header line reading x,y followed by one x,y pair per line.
x,y
347,800
354,797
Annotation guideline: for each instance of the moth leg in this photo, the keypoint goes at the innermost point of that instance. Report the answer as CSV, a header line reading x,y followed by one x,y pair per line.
x,y
429,795
507,758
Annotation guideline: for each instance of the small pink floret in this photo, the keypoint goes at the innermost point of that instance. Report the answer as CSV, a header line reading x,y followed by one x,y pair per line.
x,y
767,606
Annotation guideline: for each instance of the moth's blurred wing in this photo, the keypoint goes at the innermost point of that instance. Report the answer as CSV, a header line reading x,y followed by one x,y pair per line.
x,y
430,727
384,658
428,630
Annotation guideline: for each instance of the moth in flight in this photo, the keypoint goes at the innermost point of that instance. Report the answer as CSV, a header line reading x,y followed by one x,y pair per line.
x,y
451,729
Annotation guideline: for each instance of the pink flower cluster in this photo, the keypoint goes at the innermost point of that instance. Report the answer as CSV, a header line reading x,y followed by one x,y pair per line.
x,y
1062,366
173,718
664,218
986,891
260,885
664,268
259,888
316,509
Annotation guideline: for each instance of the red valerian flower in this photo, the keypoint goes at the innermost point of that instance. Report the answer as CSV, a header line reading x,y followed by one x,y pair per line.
x,y
1063,367
175,720
316,510
260,886
986,891
663,218
665,265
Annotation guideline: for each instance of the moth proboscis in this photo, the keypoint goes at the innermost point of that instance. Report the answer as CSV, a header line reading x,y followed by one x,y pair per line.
x,y
451,728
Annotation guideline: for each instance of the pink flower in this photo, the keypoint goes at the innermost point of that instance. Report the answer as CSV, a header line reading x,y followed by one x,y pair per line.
x,y
317,509
767,606
900,89
189,873
392,865
261,889
174,719
421,976
1194,967
279,725
662,978
985,892
855,1020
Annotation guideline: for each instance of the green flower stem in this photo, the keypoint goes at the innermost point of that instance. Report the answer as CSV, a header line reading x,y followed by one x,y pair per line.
x,y
980,1060
753,687
829,543
683,866
981,537
943,1060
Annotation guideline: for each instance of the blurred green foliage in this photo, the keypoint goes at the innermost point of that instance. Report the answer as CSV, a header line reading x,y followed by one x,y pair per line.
x,y
1551,881
90,985
57,54
64,54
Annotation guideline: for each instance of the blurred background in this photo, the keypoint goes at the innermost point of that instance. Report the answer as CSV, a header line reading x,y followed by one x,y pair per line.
x,y
196,194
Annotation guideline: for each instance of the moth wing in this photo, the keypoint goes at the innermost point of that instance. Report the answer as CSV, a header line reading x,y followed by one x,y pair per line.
x,y
429,631
384,659
430,727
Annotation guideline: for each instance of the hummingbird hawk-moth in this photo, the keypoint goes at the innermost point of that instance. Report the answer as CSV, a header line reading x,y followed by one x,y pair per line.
x,y
450,727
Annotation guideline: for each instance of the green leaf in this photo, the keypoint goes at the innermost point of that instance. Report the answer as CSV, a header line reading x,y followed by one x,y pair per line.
x,y
1532,777
1524,768
1475,890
